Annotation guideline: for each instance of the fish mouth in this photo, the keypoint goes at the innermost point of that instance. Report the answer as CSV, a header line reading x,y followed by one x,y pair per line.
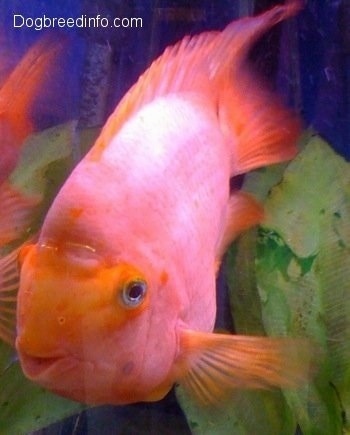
x,y
70,377
63,374
35,367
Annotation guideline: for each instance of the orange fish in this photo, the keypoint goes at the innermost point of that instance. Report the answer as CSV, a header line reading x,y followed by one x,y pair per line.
x,y
117,298
16,212
8,289
17,96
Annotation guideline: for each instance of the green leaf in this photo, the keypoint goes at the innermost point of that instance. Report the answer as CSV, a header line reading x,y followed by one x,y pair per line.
x,y
243,413
45,163
303,275
25,407
291,277
42,150
241,279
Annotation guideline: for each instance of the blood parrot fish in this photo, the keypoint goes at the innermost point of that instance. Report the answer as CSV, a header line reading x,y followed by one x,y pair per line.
x,y
18,93
117,298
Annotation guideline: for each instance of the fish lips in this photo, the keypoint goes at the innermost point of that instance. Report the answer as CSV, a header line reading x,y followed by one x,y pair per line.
x,y
64,375
83,381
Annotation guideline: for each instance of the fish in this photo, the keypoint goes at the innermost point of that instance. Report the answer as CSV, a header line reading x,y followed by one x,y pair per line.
x,y
9,277
16,213
18,93
116,300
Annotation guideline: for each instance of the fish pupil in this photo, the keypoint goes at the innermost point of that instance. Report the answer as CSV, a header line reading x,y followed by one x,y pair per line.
x,y
134,293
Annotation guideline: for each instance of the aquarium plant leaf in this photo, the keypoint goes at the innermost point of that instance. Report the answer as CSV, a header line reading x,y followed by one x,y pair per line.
x,y
291,277
244,412
25,407
45,162
303,275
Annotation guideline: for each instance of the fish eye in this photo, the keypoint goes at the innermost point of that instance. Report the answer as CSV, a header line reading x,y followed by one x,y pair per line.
x,y
134,293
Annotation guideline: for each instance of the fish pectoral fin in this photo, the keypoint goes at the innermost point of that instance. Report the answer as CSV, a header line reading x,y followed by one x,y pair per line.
x,y
9,282
211,365
243,212
16,212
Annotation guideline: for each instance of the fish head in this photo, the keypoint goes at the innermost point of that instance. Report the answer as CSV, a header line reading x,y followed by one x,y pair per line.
x,y
84,327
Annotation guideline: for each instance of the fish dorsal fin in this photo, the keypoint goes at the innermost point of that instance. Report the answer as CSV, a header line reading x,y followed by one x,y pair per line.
x,y
26,82
210,365
243,212
16,212
210,64
9,281
263,130
178,69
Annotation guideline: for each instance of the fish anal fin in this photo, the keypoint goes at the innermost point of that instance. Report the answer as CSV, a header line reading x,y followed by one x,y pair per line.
x,y
16,212
243,212
210,365
9,281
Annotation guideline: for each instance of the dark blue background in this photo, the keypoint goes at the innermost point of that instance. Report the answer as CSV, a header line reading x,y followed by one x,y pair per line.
x,y
323,47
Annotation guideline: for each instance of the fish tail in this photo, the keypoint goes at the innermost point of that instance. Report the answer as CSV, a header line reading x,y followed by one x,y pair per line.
x,y
25,83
